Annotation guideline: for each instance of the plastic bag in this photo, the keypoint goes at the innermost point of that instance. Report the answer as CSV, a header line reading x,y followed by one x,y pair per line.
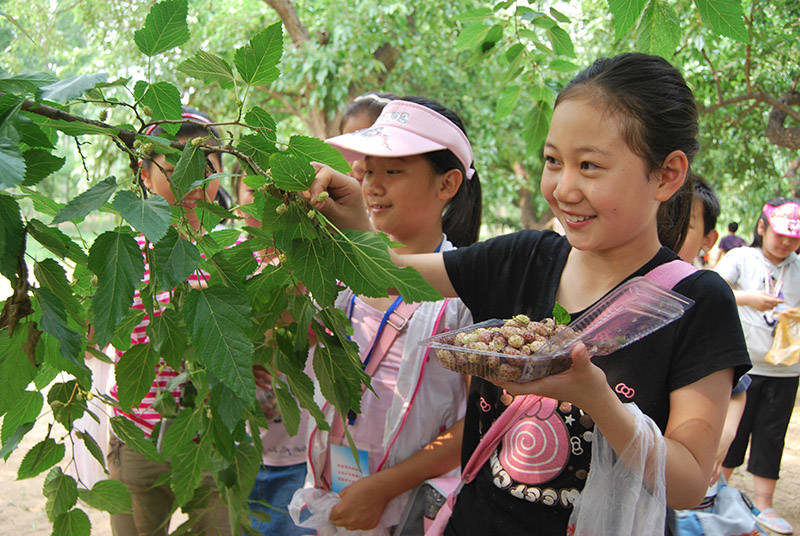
x,y
311,508
786,344
731,514
625,494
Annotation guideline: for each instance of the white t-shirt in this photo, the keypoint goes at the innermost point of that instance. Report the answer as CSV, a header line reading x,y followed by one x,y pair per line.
x,y
747,268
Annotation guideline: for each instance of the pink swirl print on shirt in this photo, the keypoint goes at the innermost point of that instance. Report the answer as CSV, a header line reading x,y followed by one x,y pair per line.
x,y
536,449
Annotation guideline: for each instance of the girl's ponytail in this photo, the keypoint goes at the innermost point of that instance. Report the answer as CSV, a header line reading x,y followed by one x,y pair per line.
x,y
461,221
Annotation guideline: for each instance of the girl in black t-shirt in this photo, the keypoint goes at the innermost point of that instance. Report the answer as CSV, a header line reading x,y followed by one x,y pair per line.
x,y
617,153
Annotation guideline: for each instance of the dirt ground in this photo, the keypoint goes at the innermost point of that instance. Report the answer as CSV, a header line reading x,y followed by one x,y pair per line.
x,y
22,505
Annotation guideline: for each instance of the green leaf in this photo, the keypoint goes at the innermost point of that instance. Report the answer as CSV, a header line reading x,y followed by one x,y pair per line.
x,y
560,17
89,201
175,259
290,172
168,337
75,128
257,147
182,431
724,17
31,135
312,261
56,241
164,100
257,61
537,123
61,491
42,456
218,321
269,279
188,465
132,436
290,413
246,463
208,68
11,444
190,167
54,322
11,236
93,448
626,13
25,408
339,374
316,150
362,262
151,216
659,31
560,41
25,82
476,15
226,406
108,495
471,36
12,164
117,261
507,101
563,66
42,203
16,368
39,164
135,372
49,352
164,28
51,276
67,404
73,523
69,88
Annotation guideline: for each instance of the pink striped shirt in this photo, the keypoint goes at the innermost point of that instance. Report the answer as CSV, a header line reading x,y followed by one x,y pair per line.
x,y
143,415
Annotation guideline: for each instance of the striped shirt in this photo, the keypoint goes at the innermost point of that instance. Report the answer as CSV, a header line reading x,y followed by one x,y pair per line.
x,y
143,415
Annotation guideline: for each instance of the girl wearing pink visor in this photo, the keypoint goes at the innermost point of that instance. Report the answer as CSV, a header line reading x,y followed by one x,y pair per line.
x,y
765,279
420,188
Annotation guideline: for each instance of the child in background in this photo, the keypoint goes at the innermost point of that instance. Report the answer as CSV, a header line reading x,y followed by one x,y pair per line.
x,y
360,114
409,430
152,504
765,277
700,237
283,459
618,150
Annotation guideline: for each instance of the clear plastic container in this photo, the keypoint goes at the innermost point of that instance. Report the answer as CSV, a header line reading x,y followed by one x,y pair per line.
x,y
635,309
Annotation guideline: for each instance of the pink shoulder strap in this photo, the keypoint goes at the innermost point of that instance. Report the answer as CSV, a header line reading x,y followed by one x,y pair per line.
x,y
671,273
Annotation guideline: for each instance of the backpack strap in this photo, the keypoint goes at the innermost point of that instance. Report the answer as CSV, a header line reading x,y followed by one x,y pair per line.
x,y
671,273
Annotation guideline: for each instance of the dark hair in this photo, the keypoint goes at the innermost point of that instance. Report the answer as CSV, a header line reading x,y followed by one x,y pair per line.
x,y
658,115
461,221
758,240
191,129
371,104
733,227
705,193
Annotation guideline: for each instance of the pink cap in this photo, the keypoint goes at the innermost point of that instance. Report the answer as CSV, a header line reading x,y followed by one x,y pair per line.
x,y
405,129
784,219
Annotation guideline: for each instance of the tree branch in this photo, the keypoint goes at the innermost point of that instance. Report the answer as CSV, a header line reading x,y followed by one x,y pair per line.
x,y
288,14
716,75
725,102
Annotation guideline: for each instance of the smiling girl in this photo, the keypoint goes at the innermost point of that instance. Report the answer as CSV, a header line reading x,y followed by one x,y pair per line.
x,y
418,165
616,158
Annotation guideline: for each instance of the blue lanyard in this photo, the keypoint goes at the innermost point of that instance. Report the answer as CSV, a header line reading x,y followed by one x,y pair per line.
x,y
381,326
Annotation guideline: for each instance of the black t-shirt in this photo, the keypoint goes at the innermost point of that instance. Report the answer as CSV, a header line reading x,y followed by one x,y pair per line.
x,y
525,488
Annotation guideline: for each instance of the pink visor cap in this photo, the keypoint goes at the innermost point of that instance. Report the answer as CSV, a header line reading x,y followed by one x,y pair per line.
x,y
784,219
406,129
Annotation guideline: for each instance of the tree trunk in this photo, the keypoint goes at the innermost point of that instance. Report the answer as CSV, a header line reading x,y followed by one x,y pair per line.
x,y
776,133
527,214
288,14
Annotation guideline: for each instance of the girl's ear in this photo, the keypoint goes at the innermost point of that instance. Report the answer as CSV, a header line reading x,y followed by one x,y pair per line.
x,y
451,182
761,227
671,175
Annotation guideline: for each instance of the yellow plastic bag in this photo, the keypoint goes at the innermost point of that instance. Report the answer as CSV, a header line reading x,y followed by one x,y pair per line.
x,y
786,344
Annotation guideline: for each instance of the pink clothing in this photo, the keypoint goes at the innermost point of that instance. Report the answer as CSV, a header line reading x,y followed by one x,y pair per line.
x,y
143,415
368,429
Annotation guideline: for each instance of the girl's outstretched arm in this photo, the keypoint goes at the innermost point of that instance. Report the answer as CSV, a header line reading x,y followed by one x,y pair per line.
x,y
363,502
344,206
696,416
